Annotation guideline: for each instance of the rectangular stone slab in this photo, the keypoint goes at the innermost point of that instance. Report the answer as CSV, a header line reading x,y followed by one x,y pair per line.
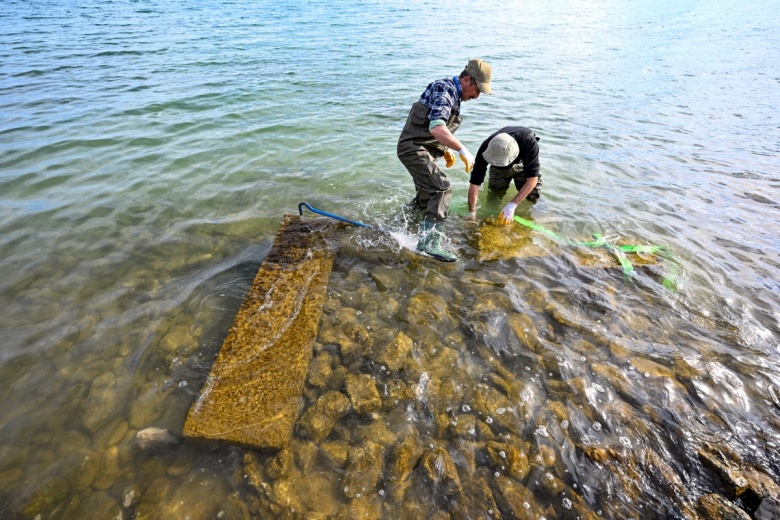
x,y
253,394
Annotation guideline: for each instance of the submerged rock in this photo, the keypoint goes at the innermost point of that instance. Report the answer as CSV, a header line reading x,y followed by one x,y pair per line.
x,y
318,420
715,507
394,355
101,403
508,459
543,484
428,309
525,330
193,498
305,454
155,438
513,499
482,504
362,508
727,470
287,496
48,496
441,393
335,452
363,393
440,472
404,458
395,392
253,471
156,492
386,278
97,505
769,509
377,432
109,469
364,469
630,467
462,425
82,476
320,370
253,393
496,409
356,343
281,465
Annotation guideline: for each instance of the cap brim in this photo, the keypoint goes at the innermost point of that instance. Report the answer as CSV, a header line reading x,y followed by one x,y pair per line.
x,y
484,87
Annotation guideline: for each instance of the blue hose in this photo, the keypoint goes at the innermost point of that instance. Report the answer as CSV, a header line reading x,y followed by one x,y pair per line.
x,y
331,215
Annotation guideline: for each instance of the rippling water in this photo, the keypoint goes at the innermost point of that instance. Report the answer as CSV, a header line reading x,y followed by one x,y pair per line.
x,y
149,149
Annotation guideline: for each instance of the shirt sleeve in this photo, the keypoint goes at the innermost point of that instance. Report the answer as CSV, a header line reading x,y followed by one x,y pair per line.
x,y
436,122
530,155
441,106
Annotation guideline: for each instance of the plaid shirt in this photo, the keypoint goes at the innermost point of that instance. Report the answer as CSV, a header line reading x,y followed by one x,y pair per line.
x,y
443,98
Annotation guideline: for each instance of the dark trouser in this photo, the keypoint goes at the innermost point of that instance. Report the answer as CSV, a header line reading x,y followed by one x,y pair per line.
x,y
434,192
500,179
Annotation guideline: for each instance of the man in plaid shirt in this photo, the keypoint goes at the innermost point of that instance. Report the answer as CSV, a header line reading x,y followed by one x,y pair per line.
x,y
427,136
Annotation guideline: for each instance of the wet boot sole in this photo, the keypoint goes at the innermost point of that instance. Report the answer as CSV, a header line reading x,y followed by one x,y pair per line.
x,y
435,257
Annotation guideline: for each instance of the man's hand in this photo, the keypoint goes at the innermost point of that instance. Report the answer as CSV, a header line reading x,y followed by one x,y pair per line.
x,y
467,158
449,158
507,214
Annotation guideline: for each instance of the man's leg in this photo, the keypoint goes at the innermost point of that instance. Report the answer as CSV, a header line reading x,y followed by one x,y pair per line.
x,y
434,192
498,184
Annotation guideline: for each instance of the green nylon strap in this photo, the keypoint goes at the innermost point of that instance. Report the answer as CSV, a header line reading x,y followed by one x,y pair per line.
x,y
618,251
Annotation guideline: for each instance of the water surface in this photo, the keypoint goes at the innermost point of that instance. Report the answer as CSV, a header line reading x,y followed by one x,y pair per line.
x,y
148,151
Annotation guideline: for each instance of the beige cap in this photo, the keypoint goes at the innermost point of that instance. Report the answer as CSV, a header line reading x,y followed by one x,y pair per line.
x,y
501,150
480,71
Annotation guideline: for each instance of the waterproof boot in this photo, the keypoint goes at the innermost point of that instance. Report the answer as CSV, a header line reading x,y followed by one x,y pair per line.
x,y
430,242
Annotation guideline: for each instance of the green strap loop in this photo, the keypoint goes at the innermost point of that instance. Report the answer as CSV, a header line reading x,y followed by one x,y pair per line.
x,y
618,251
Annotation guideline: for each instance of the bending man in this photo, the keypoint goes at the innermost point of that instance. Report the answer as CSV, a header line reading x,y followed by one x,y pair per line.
x,y
513,155
426,136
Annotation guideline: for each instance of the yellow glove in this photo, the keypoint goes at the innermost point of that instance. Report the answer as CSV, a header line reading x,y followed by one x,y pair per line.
x,y
507,214
449,158
467,158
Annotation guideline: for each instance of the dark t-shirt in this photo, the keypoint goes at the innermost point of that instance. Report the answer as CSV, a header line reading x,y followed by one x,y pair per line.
x,y
528,156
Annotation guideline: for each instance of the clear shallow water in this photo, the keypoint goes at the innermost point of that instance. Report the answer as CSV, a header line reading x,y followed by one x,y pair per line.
x,y
148,151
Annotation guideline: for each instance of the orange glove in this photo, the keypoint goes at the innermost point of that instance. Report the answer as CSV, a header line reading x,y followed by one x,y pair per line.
x,y
449,158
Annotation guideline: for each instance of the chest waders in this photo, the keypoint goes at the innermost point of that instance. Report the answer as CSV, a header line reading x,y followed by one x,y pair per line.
x,y
418,150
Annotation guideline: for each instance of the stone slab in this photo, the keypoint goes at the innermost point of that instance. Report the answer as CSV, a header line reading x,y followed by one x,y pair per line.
x,y
253,394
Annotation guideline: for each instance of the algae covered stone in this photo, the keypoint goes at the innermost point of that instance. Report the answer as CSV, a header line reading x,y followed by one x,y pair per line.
x,y
318,420
394,355
253,394
363,393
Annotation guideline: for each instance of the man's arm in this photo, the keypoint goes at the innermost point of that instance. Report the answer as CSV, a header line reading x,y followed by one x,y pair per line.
x,y
530,184
508,213
445,137
442,134
473,194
